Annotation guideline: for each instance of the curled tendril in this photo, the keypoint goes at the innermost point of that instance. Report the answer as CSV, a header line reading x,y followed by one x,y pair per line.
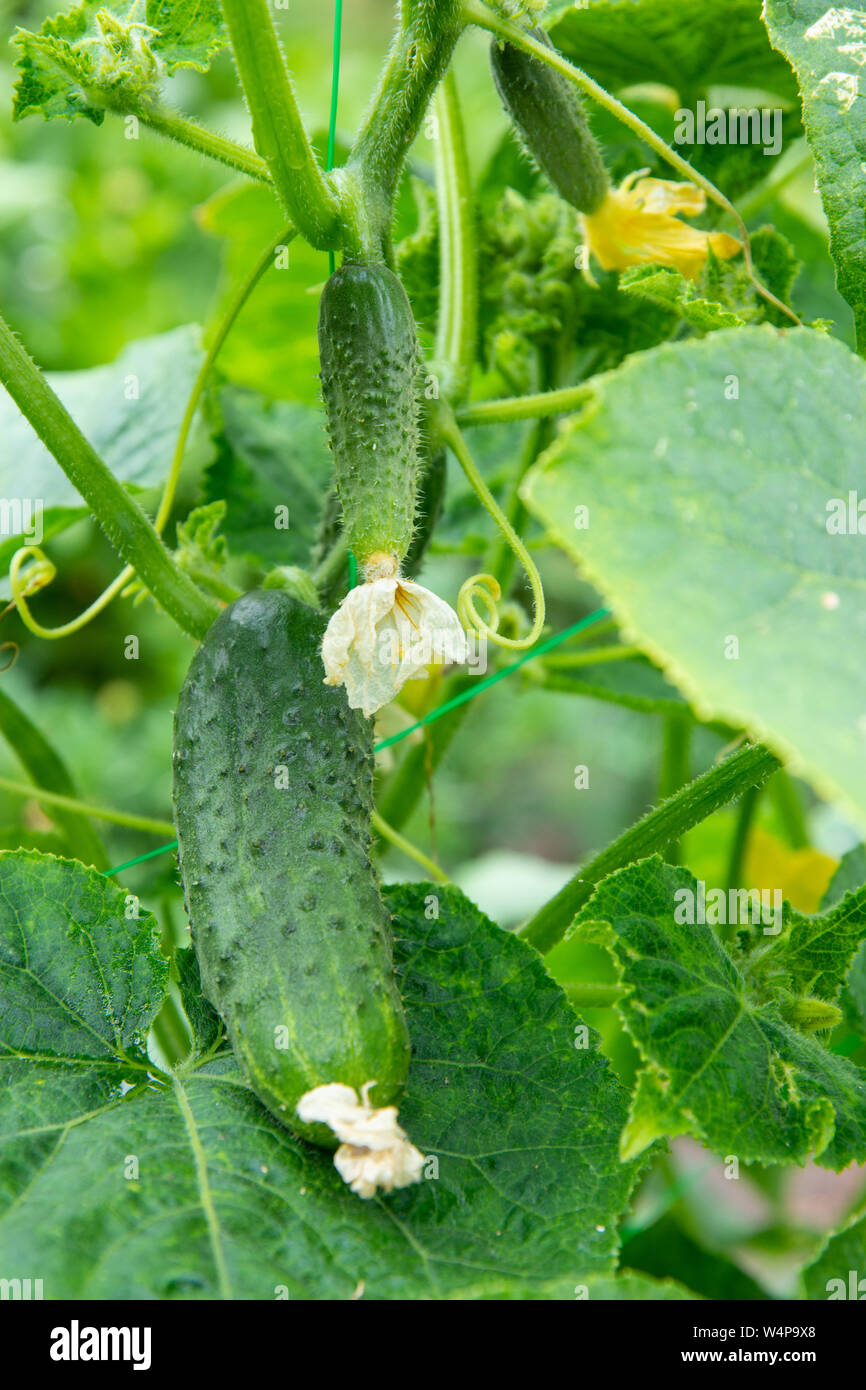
x,y
30,571
16,652
483,586
487,589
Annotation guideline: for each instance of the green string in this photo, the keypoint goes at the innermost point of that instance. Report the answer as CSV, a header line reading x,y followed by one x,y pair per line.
x,y
335,92
434,714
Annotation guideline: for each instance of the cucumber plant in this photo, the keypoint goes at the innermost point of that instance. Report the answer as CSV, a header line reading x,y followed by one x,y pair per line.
x,y
570,340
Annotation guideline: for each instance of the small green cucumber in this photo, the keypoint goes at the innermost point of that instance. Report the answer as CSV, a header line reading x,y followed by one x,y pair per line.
x,y
273,794
549,116
368,349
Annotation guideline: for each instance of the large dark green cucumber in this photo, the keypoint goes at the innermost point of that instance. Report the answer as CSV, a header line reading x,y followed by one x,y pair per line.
x,y
272,796
549,116
369,364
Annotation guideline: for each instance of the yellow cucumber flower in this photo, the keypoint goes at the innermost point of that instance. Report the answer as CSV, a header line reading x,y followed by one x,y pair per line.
x,y
635,225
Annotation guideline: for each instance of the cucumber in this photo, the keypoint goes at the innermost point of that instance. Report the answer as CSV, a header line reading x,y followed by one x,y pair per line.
x,y
368,349
549,116
292,936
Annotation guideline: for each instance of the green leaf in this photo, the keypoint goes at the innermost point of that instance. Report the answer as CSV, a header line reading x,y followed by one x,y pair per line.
x,y
272,457
688,46
130,410
202,552
80,979
718,1063
826,47
203,1018
529,1188
190,32
811,954
839,1272
850,876
706,480
673,291
723,296
98,56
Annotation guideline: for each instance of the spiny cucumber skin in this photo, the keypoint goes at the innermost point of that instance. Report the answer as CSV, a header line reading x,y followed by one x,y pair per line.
x,y
368,348
549,116
286,917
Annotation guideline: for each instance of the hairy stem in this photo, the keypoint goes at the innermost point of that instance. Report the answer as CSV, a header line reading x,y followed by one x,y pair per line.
x,y
124,523
750,767
457,327
589,995
278,130
536,407
420,53
196,137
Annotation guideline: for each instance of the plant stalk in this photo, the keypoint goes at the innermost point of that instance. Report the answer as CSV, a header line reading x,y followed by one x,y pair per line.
x,y
278,131
750,767
457,326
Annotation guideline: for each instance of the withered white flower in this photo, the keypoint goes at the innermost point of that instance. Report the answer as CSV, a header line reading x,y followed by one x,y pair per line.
x,y
374,1151
386,631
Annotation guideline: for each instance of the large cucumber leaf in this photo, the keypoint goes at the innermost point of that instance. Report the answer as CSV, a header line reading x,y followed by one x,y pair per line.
x,y
715,502
719,1062
826,46
184,1186
689,45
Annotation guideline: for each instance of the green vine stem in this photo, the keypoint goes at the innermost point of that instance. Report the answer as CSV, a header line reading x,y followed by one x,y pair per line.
x,y
420,53
278,131
590,995
476,12
485,586
535,407
83,808
457,326
750,767
26,581
400,842
186,132
44,764
124,523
